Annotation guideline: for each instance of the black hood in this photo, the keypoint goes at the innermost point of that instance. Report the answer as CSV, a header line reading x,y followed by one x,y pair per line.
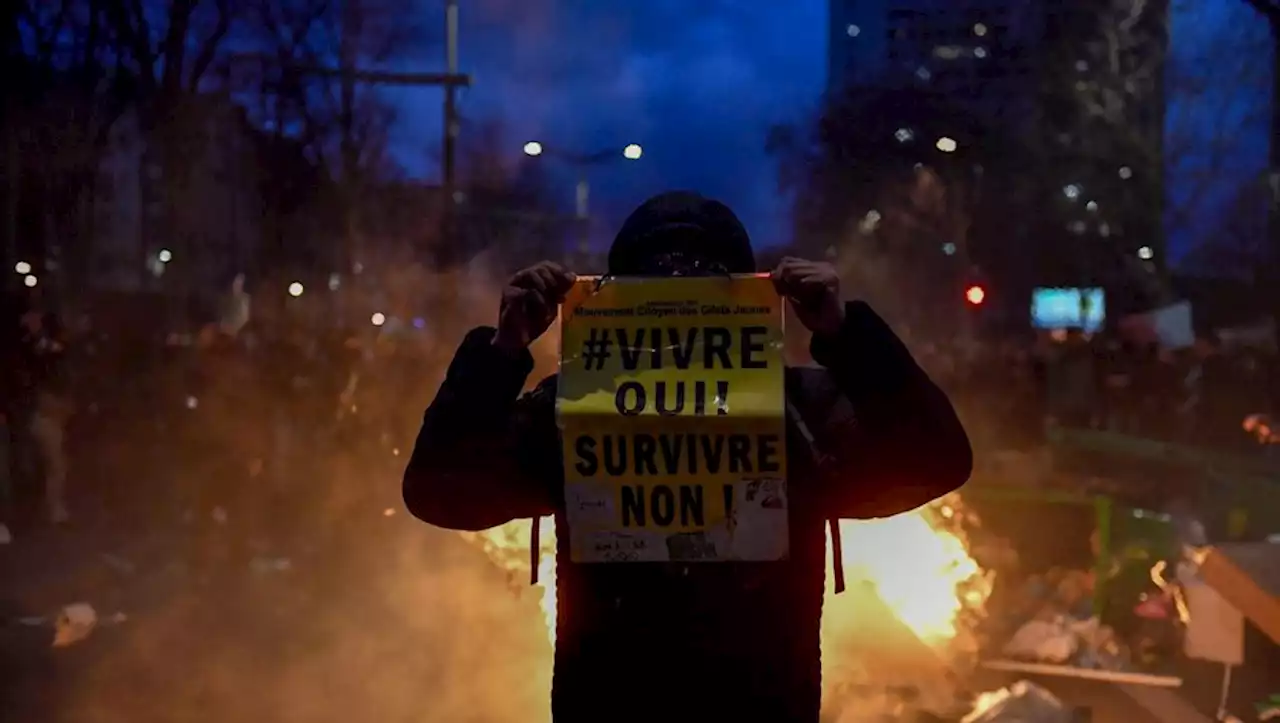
x,y
686,223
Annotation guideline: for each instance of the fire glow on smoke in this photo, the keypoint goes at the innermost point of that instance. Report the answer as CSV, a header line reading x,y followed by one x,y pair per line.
x,y
916,566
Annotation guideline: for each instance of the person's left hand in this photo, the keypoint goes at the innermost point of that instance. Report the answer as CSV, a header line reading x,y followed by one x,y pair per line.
x,y
813,288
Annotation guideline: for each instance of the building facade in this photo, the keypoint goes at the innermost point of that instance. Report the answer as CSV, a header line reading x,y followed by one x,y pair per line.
x,y
1036,71
981,53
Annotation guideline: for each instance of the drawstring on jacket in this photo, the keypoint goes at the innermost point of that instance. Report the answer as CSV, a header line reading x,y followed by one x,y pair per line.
x,y
820,461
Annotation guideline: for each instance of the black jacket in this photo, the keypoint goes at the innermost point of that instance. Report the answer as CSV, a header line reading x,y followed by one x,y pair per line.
x,y
716,641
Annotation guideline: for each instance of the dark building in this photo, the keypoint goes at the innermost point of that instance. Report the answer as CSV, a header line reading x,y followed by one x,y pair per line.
x,y
983,53
1089,206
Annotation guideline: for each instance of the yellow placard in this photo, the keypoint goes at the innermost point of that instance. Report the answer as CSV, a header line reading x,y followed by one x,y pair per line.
x,y
672,412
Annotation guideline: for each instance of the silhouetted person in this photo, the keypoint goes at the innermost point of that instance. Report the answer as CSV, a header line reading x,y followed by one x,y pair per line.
x,y
716,641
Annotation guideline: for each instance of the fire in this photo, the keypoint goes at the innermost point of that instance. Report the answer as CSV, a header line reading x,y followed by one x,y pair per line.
x,y
508,547
921,569
918,564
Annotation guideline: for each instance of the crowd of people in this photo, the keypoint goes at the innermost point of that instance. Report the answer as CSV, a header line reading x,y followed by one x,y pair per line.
x,y
230,414
269,440
232,436
1208,395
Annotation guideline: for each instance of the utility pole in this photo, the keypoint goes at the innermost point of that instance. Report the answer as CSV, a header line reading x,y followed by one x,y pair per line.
x,y
450,141
349,75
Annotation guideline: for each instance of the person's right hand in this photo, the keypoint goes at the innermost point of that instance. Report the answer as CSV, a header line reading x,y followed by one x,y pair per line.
x,y
530,301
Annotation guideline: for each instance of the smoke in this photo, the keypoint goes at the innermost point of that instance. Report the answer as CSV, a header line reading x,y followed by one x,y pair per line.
x,y
377,616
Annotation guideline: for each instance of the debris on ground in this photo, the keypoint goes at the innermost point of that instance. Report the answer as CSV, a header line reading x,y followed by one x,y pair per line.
x,y
1085,643
265,565
1022,702
73,624
118,563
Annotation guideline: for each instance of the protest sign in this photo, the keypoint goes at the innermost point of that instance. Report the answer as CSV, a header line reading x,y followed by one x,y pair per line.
x,y
672,414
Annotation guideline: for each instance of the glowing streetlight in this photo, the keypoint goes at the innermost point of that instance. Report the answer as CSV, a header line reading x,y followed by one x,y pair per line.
x,y
22,267
632,152
1145,253
295,289
30,282
165,256
378,318
946,145
533,148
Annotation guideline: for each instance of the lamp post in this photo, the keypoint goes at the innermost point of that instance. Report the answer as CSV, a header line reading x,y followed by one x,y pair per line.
x,y
581,162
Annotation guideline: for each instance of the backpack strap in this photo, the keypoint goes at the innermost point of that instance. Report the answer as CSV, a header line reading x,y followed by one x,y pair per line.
x,y
821,462
837,555
535,548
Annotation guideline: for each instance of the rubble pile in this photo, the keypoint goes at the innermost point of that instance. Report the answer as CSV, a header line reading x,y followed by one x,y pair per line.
x,y
1022,702
1051,619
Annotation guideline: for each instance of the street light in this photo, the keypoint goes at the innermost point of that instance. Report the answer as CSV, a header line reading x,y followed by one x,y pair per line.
x,y
165,256
946,145
295,289
630,152
30,281
378,318
580,162
22,267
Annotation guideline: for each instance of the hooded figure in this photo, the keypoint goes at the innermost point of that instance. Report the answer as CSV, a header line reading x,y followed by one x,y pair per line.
x,y
868,435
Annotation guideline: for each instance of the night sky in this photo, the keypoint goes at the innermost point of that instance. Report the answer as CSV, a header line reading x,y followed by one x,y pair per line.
x,y
699,82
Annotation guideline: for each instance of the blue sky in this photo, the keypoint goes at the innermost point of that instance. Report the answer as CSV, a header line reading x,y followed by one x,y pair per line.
x,y
696,82
1215,132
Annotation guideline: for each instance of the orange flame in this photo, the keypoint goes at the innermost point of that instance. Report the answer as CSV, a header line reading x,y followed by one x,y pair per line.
x,y
508,547
919,567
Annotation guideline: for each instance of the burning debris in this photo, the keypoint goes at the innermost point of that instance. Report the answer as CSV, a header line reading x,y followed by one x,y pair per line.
x,y
892,643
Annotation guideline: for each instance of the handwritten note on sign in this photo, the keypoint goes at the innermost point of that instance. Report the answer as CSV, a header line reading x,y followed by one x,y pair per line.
x,y
671,406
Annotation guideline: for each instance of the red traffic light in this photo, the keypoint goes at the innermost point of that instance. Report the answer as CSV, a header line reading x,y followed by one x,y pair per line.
x,y
975,295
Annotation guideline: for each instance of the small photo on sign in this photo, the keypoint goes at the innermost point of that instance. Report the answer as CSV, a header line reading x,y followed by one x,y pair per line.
x,y
767,493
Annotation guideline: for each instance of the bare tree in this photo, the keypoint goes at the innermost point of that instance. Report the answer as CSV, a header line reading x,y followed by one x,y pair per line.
x,y
298,44
169,48
301,81
63,94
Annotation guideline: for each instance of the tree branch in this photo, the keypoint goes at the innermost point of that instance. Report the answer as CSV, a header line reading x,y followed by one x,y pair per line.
x,y
209,49
174,46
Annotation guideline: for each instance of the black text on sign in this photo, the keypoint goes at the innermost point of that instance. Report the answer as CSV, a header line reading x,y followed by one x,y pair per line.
x,y
720,347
